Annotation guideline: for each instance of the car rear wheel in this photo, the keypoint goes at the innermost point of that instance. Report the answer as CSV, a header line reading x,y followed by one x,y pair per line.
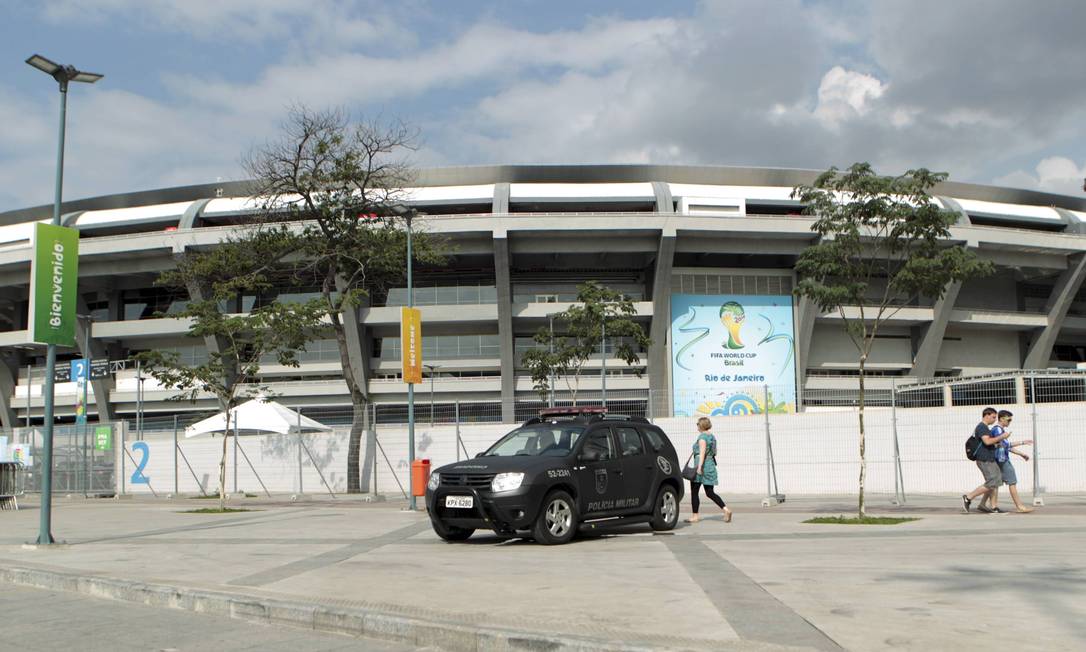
x,y
557,520
666,513
451,532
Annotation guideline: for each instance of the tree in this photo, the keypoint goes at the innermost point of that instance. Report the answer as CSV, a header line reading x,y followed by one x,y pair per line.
x,y
240,341
332,192
599,312
884,243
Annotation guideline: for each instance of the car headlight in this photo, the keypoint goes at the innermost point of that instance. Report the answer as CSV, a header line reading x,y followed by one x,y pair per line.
x,y
435,480
506,481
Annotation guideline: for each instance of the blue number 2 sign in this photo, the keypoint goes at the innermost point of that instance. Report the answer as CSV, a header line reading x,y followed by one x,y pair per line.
x,y
137,475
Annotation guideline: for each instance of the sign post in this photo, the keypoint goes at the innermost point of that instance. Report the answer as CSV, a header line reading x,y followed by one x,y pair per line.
x,y
53,279
80,370
411,353
410,342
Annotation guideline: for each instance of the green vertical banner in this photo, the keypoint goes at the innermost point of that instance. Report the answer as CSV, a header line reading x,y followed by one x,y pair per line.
x,y
54,275
103,438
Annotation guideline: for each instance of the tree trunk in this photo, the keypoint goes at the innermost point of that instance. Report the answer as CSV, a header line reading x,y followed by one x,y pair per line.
x,y
358,476
222,463
863,442
359,412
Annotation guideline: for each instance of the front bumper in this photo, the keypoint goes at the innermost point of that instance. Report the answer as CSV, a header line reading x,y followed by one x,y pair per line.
x,y
503,512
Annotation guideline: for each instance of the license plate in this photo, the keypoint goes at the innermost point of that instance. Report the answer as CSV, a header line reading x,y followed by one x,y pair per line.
x,y
460,502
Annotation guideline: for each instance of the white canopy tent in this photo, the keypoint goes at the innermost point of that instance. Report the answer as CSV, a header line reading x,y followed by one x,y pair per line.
x,y
258,414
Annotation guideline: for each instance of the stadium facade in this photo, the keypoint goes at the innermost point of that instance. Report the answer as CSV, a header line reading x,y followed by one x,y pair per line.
x,y
706,254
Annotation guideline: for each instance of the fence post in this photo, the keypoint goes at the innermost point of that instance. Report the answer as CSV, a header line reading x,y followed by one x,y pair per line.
x,y
1037,500
648,414
175,483
772,491
899,478
300,489
373,424
235,454
120,454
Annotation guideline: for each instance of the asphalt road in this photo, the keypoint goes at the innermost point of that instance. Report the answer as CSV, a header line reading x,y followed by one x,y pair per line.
x,y
35,619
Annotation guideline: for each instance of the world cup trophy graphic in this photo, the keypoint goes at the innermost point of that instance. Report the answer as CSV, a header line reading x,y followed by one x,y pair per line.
x,y
732,316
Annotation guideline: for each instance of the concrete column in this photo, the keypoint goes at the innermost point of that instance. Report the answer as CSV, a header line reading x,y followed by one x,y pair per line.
x,y
1059,301
359,345
501,199
7,392
1020,390
213,344
807,313
192,213
931,341
1074,224
951,205
948,396
665,203
659,331
505,324
102,387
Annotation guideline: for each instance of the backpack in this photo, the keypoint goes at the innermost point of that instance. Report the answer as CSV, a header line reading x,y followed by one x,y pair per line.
x,y
972,447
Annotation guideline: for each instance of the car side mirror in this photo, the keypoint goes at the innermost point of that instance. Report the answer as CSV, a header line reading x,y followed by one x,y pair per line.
x,y
590,456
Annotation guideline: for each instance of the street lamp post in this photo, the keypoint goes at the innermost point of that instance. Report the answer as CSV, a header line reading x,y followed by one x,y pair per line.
x,y
603,361
408,215
550,322
63,75
432,368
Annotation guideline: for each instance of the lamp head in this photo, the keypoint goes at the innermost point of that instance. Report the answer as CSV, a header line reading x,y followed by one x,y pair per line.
x,y
63,74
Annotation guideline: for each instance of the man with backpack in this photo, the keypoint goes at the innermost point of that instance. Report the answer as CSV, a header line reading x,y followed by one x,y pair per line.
x,y
980,447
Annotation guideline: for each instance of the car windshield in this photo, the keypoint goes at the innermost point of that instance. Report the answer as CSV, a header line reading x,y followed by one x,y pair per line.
x,y
542,440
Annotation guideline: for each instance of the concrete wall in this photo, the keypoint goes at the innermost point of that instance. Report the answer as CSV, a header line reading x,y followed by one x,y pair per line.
x,y
979,351
996,292
831,347
816,453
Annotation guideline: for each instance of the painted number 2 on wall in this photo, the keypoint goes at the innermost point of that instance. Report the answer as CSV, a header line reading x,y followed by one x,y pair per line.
x,y
137,475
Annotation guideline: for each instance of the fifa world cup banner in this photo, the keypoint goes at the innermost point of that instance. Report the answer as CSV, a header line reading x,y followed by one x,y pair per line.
x,y
728,350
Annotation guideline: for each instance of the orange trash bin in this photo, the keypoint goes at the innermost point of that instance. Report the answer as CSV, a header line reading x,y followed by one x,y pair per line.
x,y
420,475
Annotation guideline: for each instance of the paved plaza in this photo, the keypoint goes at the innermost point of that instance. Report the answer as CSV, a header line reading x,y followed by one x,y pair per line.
x,y
764,581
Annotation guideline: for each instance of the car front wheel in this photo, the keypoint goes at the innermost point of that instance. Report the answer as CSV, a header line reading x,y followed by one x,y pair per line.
x,y
451,532
557,520
666,513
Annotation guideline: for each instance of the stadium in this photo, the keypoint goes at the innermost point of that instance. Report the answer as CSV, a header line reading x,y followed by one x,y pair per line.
x,y
689,245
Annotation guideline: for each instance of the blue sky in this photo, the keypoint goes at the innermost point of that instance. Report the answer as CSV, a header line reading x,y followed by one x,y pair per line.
x,y
989,91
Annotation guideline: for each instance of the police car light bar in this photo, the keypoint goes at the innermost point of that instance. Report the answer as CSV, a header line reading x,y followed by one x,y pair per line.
x,y
571,411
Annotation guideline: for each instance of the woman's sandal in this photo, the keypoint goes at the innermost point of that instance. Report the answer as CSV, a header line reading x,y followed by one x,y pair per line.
x,y
727,516
691,520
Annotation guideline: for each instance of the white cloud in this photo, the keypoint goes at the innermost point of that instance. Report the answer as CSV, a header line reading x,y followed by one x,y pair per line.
x,y
785,84
844,94
1053,174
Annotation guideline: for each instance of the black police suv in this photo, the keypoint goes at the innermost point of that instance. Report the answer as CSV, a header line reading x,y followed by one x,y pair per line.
x,y
569,469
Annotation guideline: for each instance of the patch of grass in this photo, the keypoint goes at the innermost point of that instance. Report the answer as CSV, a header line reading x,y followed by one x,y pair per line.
x,y
216,510
867,520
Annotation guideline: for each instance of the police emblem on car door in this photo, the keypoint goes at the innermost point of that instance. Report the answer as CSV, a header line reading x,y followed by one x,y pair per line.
x,y
598,472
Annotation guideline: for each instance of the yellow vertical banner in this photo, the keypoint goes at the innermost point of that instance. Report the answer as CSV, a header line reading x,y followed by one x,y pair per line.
x,y
411,344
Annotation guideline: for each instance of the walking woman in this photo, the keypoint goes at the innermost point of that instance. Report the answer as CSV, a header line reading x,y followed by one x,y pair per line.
x,y
705,459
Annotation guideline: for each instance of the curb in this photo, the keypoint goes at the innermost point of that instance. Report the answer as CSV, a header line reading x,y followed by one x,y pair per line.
x,y
294,613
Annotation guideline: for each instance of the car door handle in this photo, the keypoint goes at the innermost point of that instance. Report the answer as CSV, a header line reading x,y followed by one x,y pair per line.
x,y
619,472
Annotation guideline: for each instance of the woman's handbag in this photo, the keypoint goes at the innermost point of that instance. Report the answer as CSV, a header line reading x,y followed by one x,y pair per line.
x,y
690,469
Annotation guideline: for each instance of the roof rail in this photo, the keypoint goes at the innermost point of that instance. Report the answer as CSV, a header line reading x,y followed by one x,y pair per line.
x,y
625,417
571,411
